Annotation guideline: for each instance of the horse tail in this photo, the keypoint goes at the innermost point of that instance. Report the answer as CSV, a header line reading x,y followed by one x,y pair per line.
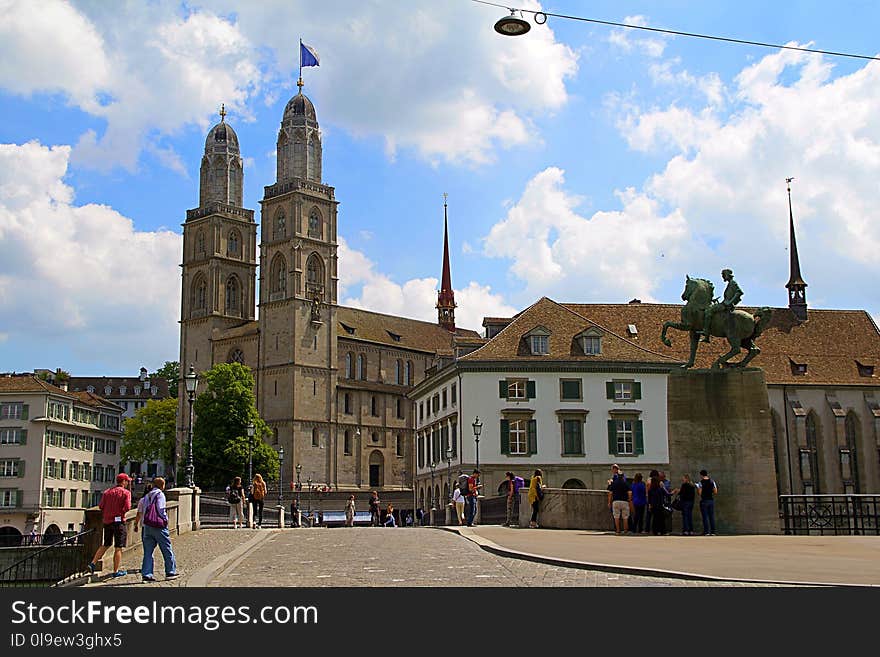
x,y
763,314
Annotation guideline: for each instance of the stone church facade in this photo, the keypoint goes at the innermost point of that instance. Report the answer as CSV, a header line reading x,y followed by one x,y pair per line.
x,y
331,381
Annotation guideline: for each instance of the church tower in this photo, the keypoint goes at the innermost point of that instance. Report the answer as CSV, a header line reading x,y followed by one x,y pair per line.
x,y
218,271
446,296
797,288
298,277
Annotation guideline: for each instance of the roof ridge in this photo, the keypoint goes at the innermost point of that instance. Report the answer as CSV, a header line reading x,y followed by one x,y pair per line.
x,y
514,320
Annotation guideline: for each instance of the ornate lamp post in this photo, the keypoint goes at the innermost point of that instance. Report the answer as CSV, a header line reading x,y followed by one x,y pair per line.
x,y
309,484
449,474
280,473
192,382
298,484
433,496
478,427
250,434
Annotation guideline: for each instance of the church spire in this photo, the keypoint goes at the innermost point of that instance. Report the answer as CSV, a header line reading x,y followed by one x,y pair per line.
x,y
446,296
797,292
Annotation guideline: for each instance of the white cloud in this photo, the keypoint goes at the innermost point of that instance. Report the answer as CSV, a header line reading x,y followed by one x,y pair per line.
x,y
629,39
362,286
81,274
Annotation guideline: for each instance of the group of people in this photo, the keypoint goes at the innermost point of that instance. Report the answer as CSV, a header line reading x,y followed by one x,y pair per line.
x,y
640,506
464,497
152,518
237,497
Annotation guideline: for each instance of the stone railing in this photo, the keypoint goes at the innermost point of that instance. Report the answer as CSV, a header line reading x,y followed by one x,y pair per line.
x,y
183,516
564,508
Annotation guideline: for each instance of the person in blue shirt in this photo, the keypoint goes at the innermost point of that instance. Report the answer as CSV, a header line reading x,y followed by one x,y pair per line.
x,y
640,502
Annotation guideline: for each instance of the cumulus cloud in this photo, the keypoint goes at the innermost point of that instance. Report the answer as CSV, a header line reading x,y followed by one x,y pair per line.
x,y
362,286
629,40
81,275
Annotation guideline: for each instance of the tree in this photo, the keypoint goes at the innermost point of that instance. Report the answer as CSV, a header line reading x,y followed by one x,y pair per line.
x,y
223,408
170,371
150,434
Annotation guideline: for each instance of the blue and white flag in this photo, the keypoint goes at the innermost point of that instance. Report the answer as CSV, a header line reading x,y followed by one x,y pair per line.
x,y
307,55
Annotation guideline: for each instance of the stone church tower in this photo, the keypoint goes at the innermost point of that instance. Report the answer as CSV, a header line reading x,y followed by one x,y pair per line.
x,y
296,380
219,263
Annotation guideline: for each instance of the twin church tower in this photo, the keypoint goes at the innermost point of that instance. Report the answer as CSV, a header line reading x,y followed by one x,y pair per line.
x,y
330,380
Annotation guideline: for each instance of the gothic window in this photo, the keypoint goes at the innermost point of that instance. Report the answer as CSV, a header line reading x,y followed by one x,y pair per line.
x,y
236,356
349,365
809,460
232,296
316,228
233,244
315,438
200,243
315,276
279,274
346,444
849,470
398,372
280,227
408,373
362,367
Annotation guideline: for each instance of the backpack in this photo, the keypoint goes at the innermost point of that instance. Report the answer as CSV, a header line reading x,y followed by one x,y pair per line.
x,y
152,517
518,482
463,484
234,497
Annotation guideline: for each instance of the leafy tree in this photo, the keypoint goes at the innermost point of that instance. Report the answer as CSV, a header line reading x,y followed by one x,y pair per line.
x,y
224,406
170,371
150,434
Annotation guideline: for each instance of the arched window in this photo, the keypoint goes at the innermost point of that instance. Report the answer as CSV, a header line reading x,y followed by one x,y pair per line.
x,y
349,365
362,367
200,243
236,356
408,373
774,424
809,458
849,464
233,243
315,276
199,293
232,296
279,275
315,438
398,448
346,443
316,227
376,469
398,372
280,227
374,409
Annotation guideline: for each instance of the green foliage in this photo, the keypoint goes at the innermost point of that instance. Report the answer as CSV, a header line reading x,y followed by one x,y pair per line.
x,y
224,406
143,438
170,371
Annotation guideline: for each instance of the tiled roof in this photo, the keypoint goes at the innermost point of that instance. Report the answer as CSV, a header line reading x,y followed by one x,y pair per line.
x,y
29,383
829,342
81,383
564,325
97,401
412,333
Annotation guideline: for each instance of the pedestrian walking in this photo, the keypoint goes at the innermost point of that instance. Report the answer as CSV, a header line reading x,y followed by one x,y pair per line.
x,y
640,502
687,494
258,492
390,521
115,503
152,514
374,509
235,497
619,500
536,494
657,498
458,500
707,490
350,511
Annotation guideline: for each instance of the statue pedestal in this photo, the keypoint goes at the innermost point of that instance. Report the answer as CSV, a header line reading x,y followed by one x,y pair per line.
x,y
719,420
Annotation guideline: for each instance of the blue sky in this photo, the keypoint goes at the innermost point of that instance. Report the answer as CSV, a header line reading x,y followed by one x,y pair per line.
x,y
582,162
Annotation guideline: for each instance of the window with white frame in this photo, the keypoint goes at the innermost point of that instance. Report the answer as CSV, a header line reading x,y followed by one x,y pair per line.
x,y
625,436
10,436
623,390
516,389
8,497
591,344
540,345
9,468
519,440
11,411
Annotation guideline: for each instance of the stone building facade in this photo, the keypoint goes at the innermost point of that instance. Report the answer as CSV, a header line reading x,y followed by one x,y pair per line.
x,y
331,381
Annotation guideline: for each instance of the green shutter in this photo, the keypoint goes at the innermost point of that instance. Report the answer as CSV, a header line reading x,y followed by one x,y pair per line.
x,y
19,497
609,390
24,411
637,390
21,463
612,436
505,436
533,436
639,438
530,390
22,437
502,389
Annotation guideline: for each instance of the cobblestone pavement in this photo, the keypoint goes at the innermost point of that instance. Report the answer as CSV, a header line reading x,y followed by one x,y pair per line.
x,y
382,557
192,551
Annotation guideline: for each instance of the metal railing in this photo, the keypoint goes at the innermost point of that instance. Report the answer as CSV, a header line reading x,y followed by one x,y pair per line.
x,y
831,514
51,565
214,511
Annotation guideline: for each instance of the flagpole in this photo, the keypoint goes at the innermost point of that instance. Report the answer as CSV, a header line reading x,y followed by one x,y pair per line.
x,y
299,82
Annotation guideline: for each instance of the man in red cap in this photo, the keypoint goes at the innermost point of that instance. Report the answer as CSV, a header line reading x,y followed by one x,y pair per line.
x,y
115,502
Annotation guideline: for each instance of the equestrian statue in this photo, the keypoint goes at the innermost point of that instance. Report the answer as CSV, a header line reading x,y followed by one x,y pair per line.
x,y
704,316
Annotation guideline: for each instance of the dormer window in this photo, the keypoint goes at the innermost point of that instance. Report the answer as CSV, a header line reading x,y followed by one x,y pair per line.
x,y
90,389
865,370
394,336
590,341
137,390
154,390
539,341
632,330
348,329
798,369
123,390
107,390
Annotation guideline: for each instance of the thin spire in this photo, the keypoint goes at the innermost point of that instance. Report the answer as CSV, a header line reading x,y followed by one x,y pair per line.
x,y
446,296
797,293
222,113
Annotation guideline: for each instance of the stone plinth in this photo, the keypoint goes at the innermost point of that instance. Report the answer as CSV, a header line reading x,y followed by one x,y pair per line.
x,y
564,508
719,420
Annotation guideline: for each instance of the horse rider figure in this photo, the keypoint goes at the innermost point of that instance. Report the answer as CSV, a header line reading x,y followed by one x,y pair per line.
x,y
732,295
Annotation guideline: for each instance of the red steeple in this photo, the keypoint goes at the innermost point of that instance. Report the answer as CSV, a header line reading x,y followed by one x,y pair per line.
x,y
446,296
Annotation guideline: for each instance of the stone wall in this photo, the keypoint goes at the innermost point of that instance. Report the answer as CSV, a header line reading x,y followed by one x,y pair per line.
x,y
568,509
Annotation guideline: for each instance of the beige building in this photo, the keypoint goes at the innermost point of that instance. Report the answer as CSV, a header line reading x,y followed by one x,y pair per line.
x,y
331,381
58,451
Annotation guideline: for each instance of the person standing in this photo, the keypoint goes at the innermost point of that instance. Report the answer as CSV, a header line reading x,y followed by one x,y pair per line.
x,y
235,497
155,532
536,494
657,497
374,509
390,521
115,503
511,497
707,489
620,500
640,501
473,486
458,500
258,491
350,511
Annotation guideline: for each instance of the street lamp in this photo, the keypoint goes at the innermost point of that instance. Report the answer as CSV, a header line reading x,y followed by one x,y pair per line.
x,y
449,474
433,496
511,25
478,427
192,382
298,484
250,434
280,474
309,484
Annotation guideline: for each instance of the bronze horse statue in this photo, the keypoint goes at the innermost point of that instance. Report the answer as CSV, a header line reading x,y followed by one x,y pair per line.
x,y
739,327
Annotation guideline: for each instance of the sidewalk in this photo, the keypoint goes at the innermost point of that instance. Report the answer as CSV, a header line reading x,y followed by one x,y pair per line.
x,y
846,560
